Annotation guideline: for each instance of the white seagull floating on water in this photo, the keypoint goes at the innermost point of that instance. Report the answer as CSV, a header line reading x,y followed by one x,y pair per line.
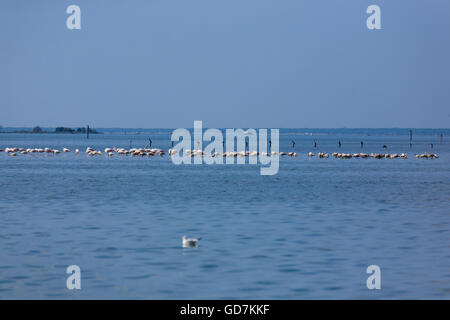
x,y
189,242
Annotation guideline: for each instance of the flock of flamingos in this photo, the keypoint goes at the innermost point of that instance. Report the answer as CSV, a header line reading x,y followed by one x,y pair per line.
x,y
159,152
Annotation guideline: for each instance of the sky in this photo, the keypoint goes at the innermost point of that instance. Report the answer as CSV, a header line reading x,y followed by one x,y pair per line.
x,y
229,63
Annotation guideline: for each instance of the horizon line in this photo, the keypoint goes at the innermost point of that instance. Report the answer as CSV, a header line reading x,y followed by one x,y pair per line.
x,y
301,128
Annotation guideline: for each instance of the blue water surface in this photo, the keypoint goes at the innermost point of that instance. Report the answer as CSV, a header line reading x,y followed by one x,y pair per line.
x,y
308,232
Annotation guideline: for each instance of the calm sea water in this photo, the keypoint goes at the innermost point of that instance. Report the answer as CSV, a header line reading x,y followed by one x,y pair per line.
x,y
308,232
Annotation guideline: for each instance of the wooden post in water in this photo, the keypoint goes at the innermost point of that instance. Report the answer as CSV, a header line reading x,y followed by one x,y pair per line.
x,y
410,138
87,132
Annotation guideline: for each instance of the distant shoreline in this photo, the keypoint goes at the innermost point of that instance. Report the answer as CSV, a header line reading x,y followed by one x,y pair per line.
x,y
46,132
58,130
296,131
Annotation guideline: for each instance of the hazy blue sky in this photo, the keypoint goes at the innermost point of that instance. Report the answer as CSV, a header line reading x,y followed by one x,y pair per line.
x,y
230,63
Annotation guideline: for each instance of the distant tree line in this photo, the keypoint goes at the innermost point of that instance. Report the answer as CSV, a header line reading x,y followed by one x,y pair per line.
x,y
70,130
38,129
